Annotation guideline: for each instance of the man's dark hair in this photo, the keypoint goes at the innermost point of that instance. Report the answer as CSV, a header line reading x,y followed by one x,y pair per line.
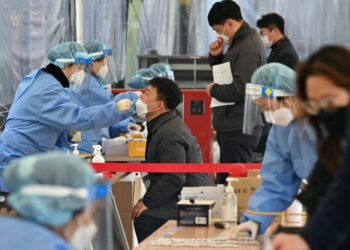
x,y
270,21
167,91
220,11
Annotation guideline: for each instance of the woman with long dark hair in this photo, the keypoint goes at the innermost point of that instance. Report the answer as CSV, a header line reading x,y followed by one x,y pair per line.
x,y
324,88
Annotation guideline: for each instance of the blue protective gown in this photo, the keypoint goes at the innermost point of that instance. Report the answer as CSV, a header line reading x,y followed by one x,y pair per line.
x,y
21,234
289,157
40,112
92,93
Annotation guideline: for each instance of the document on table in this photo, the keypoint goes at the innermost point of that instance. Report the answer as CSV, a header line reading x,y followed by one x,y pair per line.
x,y
222,75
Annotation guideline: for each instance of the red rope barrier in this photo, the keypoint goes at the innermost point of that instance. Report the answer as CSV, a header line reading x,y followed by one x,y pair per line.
x,y
173,167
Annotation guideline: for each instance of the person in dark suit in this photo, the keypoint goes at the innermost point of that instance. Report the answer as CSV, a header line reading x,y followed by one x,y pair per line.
x,y
169,140
271,29
245,54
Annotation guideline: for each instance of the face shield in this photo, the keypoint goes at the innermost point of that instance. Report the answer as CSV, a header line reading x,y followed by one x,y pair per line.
x,y
163,70
102,72
141,78
78,76
267,101
95,224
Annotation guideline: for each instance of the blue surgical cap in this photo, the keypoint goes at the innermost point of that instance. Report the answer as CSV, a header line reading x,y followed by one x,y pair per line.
x,y
66,50
141,78
54,169
277,76
163,70
95,47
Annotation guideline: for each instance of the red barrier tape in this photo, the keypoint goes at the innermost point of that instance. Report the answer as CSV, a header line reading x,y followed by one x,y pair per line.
x,y
172,167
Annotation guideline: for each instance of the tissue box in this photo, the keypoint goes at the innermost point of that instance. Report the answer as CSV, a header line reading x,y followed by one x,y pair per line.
x,y
215,193
137,147
195,213
109,147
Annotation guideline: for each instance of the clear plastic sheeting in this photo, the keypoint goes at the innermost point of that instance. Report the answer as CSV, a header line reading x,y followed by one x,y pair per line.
x,y
181,26
308,24
27,30
174,27
105,21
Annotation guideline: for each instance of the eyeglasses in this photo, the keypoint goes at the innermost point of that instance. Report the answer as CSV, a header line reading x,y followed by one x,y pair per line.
x,y
313,107
265,103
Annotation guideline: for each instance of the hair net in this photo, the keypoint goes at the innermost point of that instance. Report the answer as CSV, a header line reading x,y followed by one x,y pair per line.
x,y
55,169
141,78
163,70
66,50
93,47
276,75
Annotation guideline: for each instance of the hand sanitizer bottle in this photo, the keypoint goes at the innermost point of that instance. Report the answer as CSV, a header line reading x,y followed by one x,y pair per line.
x,y
97,152
229,204
75,151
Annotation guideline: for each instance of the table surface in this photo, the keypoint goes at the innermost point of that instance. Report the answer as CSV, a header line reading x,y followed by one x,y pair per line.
x,y
205,232
187,232
123,158
116,158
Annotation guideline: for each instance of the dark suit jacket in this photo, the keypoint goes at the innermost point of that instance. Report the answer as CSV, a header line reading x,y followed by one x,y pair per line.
x,y
245,54
283,52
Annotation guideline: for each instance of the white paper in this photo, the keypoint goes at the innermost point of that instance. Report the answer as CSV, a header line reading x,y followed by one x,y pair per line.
x,y
222,75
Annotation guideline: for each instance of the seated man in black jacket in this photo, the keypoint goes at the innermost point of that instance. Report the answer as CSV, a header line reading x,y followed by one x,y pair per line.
x,y
169,141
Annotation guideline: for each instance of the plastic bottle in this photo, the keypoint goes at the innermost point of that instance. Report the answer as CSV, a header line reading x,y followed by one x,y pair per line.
x,y
75,151
97,152
229,204
295,208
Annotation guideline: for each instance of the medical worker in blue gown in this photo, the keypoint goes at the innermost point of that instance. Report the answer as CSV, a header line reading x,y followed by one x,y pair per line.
x,y
42,109
53,212
290,152
94,91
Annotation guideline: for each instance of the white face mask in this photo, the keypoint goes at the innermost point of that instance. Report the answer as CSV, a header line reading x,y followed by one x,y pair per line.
x,y
83,236
224,37
266,42
77,77
102,73
282,116
141,108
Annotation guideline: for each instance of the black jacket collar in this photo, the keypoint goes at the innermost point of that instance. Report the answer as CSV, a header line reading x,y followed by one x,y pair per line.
x,y
280,43
155,123
57,73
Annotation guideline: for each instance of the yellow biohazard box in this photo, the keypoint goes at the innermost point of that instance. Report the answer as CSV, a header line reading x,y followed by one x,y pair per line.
x,y
137,147
136,135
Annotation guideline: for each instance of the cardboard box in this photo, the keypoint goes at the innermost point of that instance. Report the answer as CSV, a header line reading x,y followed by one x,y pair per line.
x,y
128,226
126,194
137,147
195,213
244,188
253,172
